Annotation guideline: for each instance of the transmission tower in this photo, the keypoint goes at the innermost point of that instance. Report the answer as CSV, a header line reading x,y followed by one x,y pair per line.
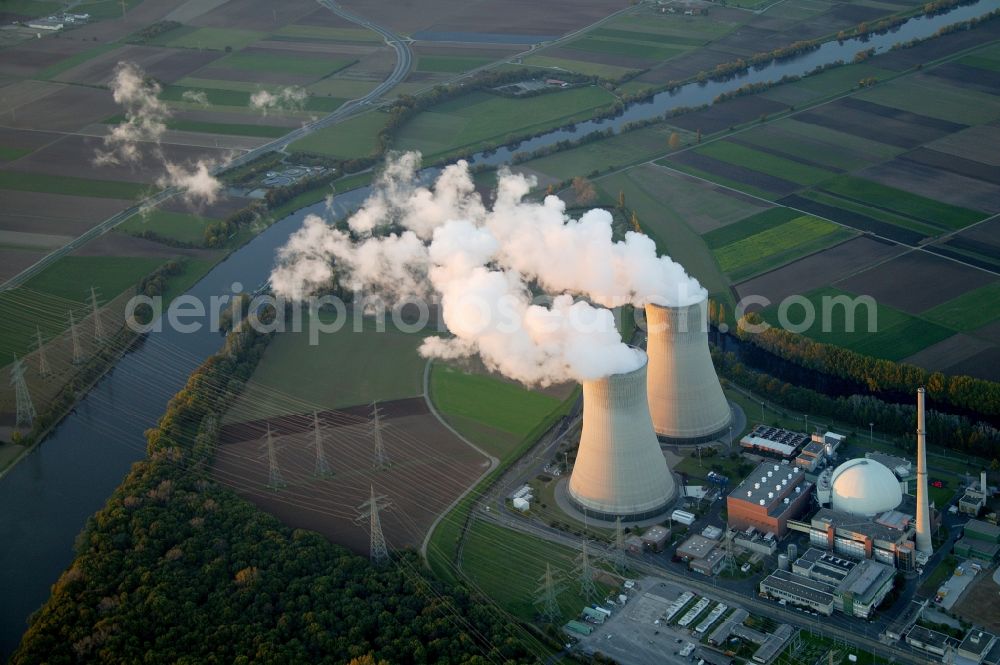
x,y
585,571
730,561
43,363
25,409
98,326
274,479
381,459
322,469
368,512
77,351
620,562
548,595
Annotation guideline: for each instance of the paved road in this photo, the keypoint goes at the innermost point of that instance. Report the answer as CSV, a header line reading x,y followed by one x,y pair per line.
x,y
404,60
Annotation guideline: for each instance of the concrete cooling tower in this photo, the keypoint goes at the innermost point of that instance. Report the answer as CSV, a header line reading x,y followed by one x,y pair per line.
x,y
686,400
620,470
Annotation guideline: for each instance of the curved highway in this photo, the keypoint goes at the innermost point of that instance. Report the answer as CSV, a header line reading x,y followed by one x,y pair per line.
x,y
404,60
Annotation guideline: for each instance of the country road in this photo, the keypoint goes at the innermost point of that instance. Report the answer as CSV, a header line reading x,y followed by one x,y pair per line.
x,y
404,59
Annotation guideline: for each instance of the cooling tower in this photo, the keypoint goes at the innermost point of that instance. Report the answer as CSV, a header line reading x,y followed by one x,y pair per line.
x,y
686,400
620,470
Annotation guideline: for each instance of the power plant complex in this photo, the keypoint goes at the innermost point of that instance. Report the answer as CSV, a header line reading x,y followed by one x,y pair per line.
x,y
674,396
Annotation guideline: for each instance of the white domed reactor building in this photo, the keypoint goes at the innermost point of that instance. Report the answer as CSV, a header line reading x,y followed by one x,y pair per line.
x,y
620,470
686,401
864,487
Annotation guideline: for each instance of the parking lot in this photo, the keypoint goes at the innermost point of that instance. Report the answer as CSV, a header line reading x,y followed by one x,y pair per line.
x,y
632,634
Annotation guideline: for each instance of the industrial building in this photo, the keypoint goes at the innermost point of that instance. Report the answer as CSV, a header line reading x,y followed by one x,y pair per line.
x,y
620,470
981,530
976,645
980,540
887,538
826,583
768,498
975,497
811,457
702,555
860,486
927,640
774,441
655,538
902,467
685,397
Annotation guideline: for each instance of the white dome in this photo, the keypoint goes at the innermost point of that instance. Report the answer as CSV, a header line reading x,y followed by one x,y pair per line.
x,y
864,487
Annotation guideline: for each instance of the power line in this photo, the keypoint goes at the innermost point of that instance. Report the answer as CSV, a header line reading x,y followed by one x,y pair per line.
x,y
585,572
25,409
43,363
274,479
548,592
77,351
321,468
98,326
381,459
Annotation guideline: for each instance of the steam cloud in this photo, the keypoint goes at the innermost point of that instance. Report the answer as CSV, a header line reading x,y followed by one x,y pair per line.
x,y
410,240
290,98
199,97
145,123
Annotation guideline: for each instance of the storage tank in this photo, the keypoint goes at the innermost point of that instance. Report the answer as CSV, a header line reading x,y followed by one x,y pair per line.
x,y
793,552
686,401
620,470
783,563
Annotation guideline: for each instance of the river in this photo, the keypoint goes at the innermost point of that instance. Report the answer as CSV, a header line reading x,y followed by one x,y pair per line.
x,y
47,497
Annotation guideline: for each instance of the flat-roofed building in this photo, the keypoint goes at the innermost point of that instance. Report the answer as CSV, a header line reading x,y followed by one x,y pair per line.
x,y
710,565
655,538
800,590
774,441
823,566
887,538
976,645
927,640
770,496
981,530
773,645
970,548
865,587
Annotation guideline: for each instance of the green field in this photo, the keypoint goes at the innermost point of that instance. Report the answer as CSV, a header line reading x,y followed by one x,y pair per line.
x,y
763,162
289,64
712,177
215,96
690,29
895,335
617,151
750,226
346,368
487,560
212,39
935,98
579,66
477,119
895,200
450,64
318,32
632,48
490,411
69,63
355,137
228,128
968,311
64,286
776,246
64,184
875,213
31,8
8,154
173,225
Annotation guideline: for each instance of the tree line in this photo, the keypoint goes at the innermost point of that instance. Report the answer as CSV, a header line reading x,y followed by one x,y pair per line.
x,y
179,569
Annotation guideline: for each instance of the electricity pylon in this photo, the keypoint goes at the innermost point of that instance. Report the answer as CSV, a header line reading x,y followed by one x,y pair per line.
x,y
25,409
98,326
322,468
274,479
43,363
585,571
621,561
369,512
77,351
730,560
548,595
381,459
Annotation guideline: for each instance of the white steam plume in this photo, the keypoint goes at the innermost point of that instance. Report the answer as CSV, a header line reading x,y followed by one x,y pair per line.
x,y
145,116
291,98
145,123
482,264
199,97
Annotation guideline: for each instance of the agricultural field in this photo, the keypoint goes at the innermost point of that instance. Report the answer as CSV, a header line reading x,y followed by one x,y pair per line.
x,y
185,228
478,119
428,467
354,365
355,137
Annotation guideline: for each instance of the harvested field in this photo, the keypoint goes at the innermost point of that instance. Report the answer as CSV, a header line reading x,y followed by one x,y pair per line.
x,y
983,365
28,58
13,261
838,116
900,115
940,47
764,161
954,164
932,96
989,332
17,94
936,183
728,114
892,283
34,212
819,269
944,355
774,139
121,244
687,65
430,467
855,220
66,109
615,61
255,76
732,173
255,15
164,64
980,144
964,76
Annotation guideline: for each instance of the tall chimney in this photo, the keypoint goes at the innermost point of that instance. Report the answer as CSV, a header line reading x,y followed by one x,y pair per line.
x,y
923,505
982,483
620,470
